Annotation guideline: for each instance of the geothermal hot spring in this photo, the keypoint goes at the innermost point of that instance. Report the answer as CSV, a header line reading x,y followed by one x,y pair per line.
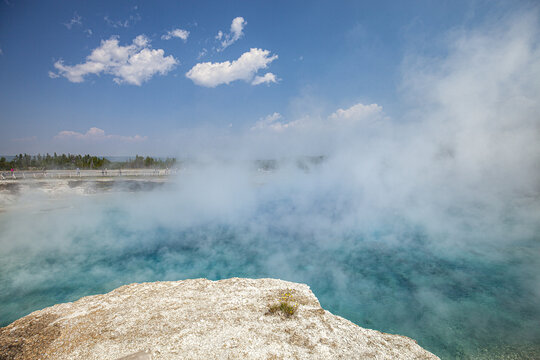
x,y
457,274
426,224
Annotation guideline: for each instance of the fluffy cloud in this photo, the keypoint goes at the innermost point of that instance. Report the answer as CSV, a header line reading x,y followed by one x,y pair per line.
x,y
237,30
132,64
178,33
359,116
358,112
244,68
267,78
96,134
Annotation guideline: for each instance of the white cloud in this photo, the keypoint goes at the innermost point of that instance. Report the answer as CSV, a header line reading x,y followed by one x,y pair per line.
x,y
132,64
53,75
267,121
349,121
76,20
267,78
88,32
244,68
141,41
178,33
357,113
237,30
270,122
96,134
237,26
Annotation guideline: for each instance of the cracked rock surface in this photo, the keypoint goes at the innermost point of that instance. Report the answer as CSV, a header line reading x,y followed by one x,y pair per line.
x,y
198,319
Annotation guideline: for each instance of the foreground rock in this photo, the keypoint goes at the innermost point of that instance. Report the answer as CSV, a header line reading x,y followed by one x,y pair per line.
x,y
199,319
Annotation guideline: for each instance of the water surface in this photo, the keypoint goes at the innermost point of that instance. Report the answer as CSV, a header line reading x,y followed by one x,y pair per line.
x,y
469,293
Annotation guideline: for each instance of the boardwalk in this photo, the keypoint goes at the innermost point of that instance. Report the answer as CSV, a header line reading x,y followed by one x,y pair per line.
x,y
87,174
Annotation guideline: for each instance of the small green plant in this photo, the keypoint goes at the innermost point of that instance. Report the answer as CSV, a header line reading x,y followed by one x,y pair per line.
x,y
287,305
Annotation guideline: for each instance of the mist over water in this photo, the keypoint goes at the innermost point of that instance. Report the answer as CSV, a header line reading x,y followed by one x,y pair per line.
x,y
426,225
457,288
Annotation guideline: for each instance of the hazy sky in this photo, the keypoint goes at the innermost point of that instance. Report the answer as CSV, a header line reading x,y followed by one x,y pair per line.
x,y
125,77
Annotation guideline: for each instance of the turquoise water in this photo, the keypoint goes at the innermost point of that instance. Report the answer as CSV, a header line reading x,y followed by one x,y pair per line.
x,y
465,294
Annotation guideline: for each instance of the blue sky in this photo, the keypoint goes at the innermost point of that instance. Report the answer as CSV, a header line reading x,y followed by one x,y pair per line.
x,y
310,58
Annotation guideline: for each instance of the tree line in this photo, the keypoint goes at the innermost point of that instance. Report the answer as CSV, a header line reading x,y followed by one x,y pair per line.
x,y
72,162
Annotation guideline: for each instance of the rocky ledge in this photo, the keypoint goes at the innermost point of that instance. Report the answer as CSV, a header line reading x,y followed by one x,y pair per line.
x,y
199,319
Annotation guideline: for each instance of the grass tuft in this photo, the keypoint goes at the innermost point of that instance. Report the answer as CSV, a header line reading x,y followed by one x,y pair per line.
x,y
287,305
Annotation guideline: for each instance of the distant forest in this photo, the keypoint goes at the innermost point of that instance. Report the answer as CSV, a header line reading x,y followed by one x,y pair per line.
x,y
72,162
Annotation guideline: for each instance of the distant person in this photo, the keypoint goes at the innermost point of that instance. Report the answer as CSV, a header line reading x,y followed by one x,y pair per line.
x,y
119,172
78,172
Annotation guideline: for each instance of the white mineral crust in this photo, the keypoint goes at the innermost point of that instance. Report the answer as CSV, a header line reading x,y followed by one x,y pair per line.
x,y
198,319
